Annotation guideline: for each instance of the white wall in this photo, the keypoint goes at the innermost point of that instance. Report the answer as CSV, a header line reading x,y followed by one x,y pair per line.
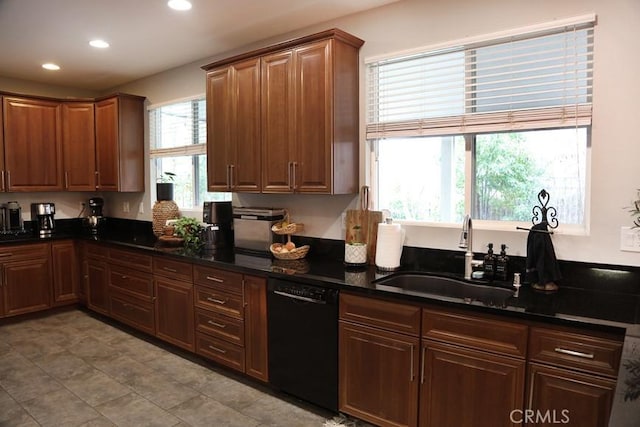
x,y
414,23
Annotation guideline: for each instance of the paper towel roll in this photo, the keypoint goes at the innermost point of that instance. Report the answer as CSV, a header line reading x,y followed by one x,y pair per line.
x,y
389,249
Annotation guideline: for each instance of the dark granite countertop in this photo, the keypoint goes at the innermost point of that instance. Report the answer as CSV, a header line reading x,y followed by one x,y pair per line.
x,y
569,306
588,305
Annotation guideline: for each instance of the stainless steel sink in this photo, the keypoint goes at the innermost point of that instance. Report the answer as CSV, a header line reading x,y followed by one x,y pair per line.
x,y
432,284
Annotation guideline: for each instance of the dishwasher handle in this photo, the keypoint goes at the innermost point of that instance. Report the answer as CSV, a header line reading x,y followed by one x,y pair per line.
x,y
299,297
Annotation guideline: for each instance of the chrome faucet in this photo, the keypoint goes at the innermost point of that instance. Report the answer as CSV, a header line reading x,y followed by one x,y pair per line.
x,y
466,242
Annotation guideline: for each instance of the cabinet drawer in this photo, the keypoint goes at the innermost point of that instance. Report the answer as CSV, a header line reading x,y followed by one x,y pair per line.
x,y
131,282
574,350
132,311
96,250
220,302
227,281
21,252
173,269
132,259
220,351
479,332
219,326
392,316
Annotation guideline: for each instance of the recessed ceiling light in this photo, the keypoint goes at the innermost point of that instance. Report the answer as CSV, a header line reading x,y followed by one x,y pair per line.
x,y
100,44
179,4
51,66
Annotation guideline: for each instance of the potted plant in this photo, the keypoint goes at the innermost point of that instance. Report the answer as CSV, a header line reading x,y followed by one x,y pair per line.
x,y
190,230
164,186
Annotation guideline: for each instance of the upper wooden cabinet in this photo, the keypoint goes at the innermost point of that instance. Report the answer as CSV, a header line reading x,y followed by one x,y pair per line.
x,y
233,127
308,116
32,144
78,145
119,127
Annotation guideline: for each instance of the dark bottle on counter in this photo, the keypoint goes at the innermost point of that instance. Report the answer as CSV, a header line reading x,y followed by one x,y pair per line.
x,y
502,264
489,263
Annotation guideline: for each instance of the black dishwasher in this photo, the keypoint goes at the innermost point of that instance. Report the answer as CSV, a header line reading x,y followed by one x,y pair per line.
x,y
303,341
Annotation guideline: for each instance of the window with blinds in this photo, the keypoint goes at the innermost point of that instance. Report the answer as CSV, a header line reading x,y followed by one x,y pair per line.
x,y
536,80
177,138
481,126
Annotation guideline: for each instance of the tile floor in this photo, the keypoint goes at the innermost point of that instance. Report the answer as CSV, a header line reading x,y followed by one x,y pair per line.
x,y
72,369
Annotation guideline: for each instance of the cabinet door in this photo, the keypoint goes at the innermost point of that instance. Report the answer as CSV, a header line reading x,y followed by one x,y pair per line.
x,y
313,92
375,365
26,286
98,286
562,396
107,149
120,157
78,144
245,147
278,122
65,272
255,322
219,114
174,312
461,387
32,145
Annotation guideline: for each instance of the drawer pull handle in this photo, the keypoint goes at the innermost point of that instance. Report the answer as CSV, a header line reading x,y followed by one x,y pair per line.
x,y
123,277
219,350
172,270
215,279
216,324
217,301
574,353
6,254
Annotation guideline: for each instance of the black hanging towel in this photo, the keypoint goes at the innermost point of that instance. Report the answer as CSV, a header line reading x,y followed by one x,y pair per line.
x,y
542,269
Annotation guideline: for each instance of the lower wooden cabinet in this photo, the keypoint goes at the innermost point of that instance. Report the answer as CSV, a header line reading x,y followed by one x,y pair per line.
x,y
255,323
95,283
378,362
133,311
174,312
66,281
561,396
220,351
25,278
26,286
378,375
571,377
465,387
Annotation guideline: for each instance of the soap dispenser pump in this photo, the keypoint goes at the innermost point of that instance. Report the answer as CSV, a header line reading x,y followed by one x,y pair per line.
x,y
489,263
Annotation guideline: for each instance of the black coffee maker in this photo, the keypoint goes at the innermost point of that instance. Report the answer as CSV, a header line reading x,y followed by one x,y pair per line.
x,y
95,218
218,231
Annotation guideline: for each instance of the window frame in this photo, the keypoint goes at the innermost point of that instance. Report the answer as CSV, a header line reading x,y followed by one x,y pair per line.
x,y
371,163
193,150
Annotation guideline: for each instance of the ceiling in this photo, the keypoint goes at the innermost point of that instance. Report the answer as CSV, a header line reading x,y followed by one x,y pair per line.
x,y
146,36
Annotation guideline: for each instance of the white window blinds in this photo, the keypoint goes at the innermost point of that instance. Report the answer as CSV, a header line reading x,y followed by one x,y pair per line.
x,y
178,129
531,81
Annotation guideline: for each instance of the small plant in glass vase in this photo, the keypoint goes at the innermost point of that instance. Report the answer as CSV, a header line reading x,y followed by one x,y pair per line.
x,y
355,250
634,210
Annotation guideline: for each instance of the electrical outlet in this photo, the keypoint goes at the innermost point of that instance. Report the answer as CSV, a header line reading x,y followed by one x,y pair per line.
x,y
141,208
125,207
630,239
344,220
